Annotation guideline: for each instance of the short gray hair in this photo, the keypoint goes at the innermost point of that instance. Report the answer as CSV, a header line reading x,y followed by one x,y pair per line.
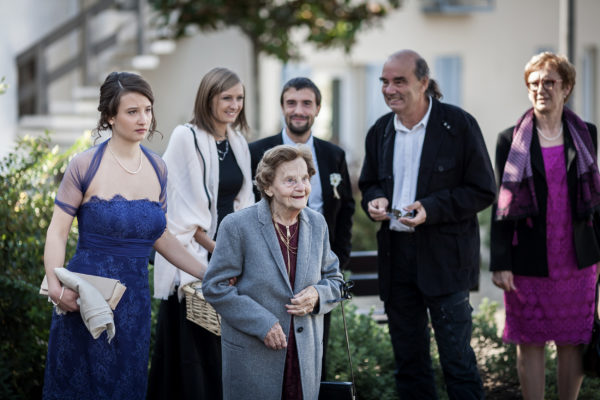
x,y
273,158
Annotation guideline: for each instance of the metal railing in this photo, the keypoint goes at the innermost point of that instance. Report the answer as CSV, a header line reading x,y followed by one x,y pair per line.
x,y
34,75
363,271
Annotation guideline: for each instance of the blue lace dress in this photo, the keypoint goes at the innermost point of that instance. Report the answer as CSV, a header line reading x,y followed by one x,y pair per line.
x,y
115,238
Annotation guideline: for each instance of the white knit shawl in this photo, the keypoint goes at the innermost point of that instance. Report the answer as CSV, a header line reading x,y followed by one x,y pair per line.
x,y
187,200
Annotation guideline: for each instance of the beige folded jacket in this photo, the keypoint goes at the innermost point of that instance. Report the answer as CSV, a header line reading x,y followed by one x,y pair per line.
x,y
95,311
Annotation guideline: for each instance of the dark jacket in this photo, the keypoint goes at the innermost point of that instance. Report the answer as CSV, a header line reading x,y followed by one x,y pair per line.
x,y
520,246
337,212
455,181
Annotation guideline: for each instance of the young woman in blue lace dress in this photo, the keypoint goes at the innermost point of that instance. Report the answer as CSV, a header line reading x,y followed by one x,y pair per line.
x,y
117,191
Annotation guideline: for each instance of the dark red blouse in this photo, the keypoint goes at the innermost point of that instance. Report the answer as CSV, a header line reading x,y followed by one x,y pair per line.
x,y
292,384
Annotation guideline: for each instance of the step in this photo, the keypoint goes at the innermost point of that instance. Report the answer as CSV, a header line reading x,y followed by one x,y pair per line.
x,y
162,46
64,129
58,122
86,93
145,62
62,139
88,108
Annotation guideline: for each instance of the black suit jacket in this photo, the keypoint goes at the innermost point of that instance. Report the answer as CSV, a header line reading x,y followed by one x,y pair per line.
x,y
520,246
337,212
455,181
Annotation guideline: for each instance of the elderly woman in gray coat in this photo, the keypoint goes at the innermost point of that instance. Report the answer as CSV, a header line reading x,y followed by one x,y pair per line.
x,y
287,277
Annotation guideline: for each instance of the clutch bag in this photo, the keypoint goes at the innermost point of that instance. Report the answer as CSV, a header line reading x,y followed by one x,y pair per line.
x,y
111,289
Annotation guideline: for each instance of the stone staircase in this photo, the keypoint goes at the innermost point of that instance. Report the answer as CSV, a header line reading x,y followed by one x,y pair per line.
x,y
70,116
66,120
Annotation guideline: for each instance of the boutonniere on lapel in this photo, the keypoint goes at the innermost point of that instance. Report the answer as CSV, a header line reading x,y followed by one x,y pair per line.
x,y
335,180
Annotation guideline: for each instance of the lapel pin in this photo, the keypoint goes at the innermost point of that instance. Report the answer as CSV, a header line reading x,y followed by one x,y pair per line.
x,y
334,180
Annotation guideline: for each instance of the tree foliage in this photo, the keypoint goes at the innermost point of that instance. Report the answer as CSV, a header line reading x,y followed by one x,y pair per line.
x,y
3,85
269,24
29,177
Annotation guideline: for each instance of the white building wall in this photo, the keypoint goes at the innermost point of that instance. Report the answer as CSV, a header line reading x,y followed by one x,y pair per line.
x,y
22,23
176,79
494,47
587,36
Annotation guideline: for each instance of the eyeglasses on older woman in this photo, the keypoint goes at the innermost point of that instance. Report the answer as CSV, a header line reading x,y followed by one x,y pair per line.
x,y
547,84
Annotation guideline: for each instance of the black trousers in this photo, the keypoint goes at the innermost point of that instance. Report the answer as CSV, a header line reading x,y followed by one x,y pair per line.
x,y
408,310
186,363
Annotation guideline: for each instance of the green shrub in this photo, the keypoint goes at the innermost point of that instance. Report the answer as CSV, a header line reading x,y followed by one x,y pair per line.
x,y
373,358
363,229
371,351
497,360
29,177
3,85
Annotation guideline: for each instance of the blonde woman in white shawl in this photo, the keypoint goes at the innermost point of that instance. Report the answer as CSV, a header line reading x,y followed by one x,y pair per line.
x,y
209,177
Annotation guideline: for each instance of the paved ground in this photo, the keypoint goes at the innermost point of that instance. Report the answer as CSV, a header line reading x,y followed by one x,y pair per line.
x,y
486,289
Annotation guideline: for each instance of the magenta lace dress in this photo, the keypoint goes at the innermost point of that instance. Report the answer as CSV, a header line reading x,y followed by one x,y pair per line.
x,y
559,307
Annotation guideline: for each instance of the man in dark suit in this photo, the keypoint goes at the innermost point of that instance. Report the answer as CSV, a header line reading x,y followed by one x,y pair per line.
x,y
426,174
331,192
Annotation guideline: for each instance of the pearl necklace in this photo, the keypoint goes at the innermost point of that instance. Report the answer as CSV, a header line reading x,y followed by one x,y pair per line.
x,y
551,139
139,168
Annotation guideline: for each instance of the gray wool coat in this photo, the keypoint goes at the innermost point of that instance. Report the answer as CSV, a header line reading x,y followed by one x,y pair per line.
x,y
247,248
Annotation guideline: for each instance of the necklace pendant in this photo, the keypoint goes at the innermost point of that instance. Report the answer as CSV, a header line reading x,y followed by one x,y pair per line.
x,y
223,153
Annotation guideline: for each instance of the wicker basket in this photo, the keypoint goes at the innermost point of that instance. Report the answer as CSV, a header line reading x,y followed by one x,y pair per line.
x,y
199,311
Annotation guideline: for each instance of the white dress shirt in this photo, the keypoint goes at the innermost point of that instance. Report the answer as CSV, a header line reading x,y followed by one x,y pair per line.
x,y
315,199
408,146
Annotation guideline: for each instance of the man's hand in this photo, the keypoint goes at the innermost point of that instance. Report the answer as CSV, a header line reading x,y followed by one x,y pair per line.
x,y
275,339
418,219
378,209
504,280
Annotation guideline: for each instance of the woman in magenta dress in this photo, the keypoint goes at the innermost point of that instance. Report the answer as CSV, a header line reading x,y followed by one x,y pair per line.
x,y
544,247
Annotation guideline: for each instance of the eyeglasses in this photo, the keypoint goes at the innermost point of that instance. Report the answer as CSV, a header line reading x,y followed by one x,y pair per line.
x,y
293,182
547,84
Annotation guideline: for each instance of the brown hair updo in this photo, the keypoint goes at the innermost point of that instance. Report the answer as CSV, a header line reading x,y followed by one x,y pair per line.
x,y
114,87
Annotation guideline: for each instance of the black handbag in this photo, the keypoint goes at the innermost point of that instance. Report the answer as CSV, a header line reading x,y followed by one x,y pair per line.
x,y
341,390
591,353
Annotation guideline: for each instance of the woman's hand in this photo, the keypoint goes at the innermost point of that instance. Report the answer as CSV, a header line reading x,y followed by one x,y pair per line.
x,y
275,339
65,298
504,280
304,302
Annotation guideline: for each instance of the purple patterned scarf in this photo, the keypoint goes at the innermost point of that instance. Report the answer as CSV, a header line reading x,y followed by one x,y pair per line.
x,y
517,194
